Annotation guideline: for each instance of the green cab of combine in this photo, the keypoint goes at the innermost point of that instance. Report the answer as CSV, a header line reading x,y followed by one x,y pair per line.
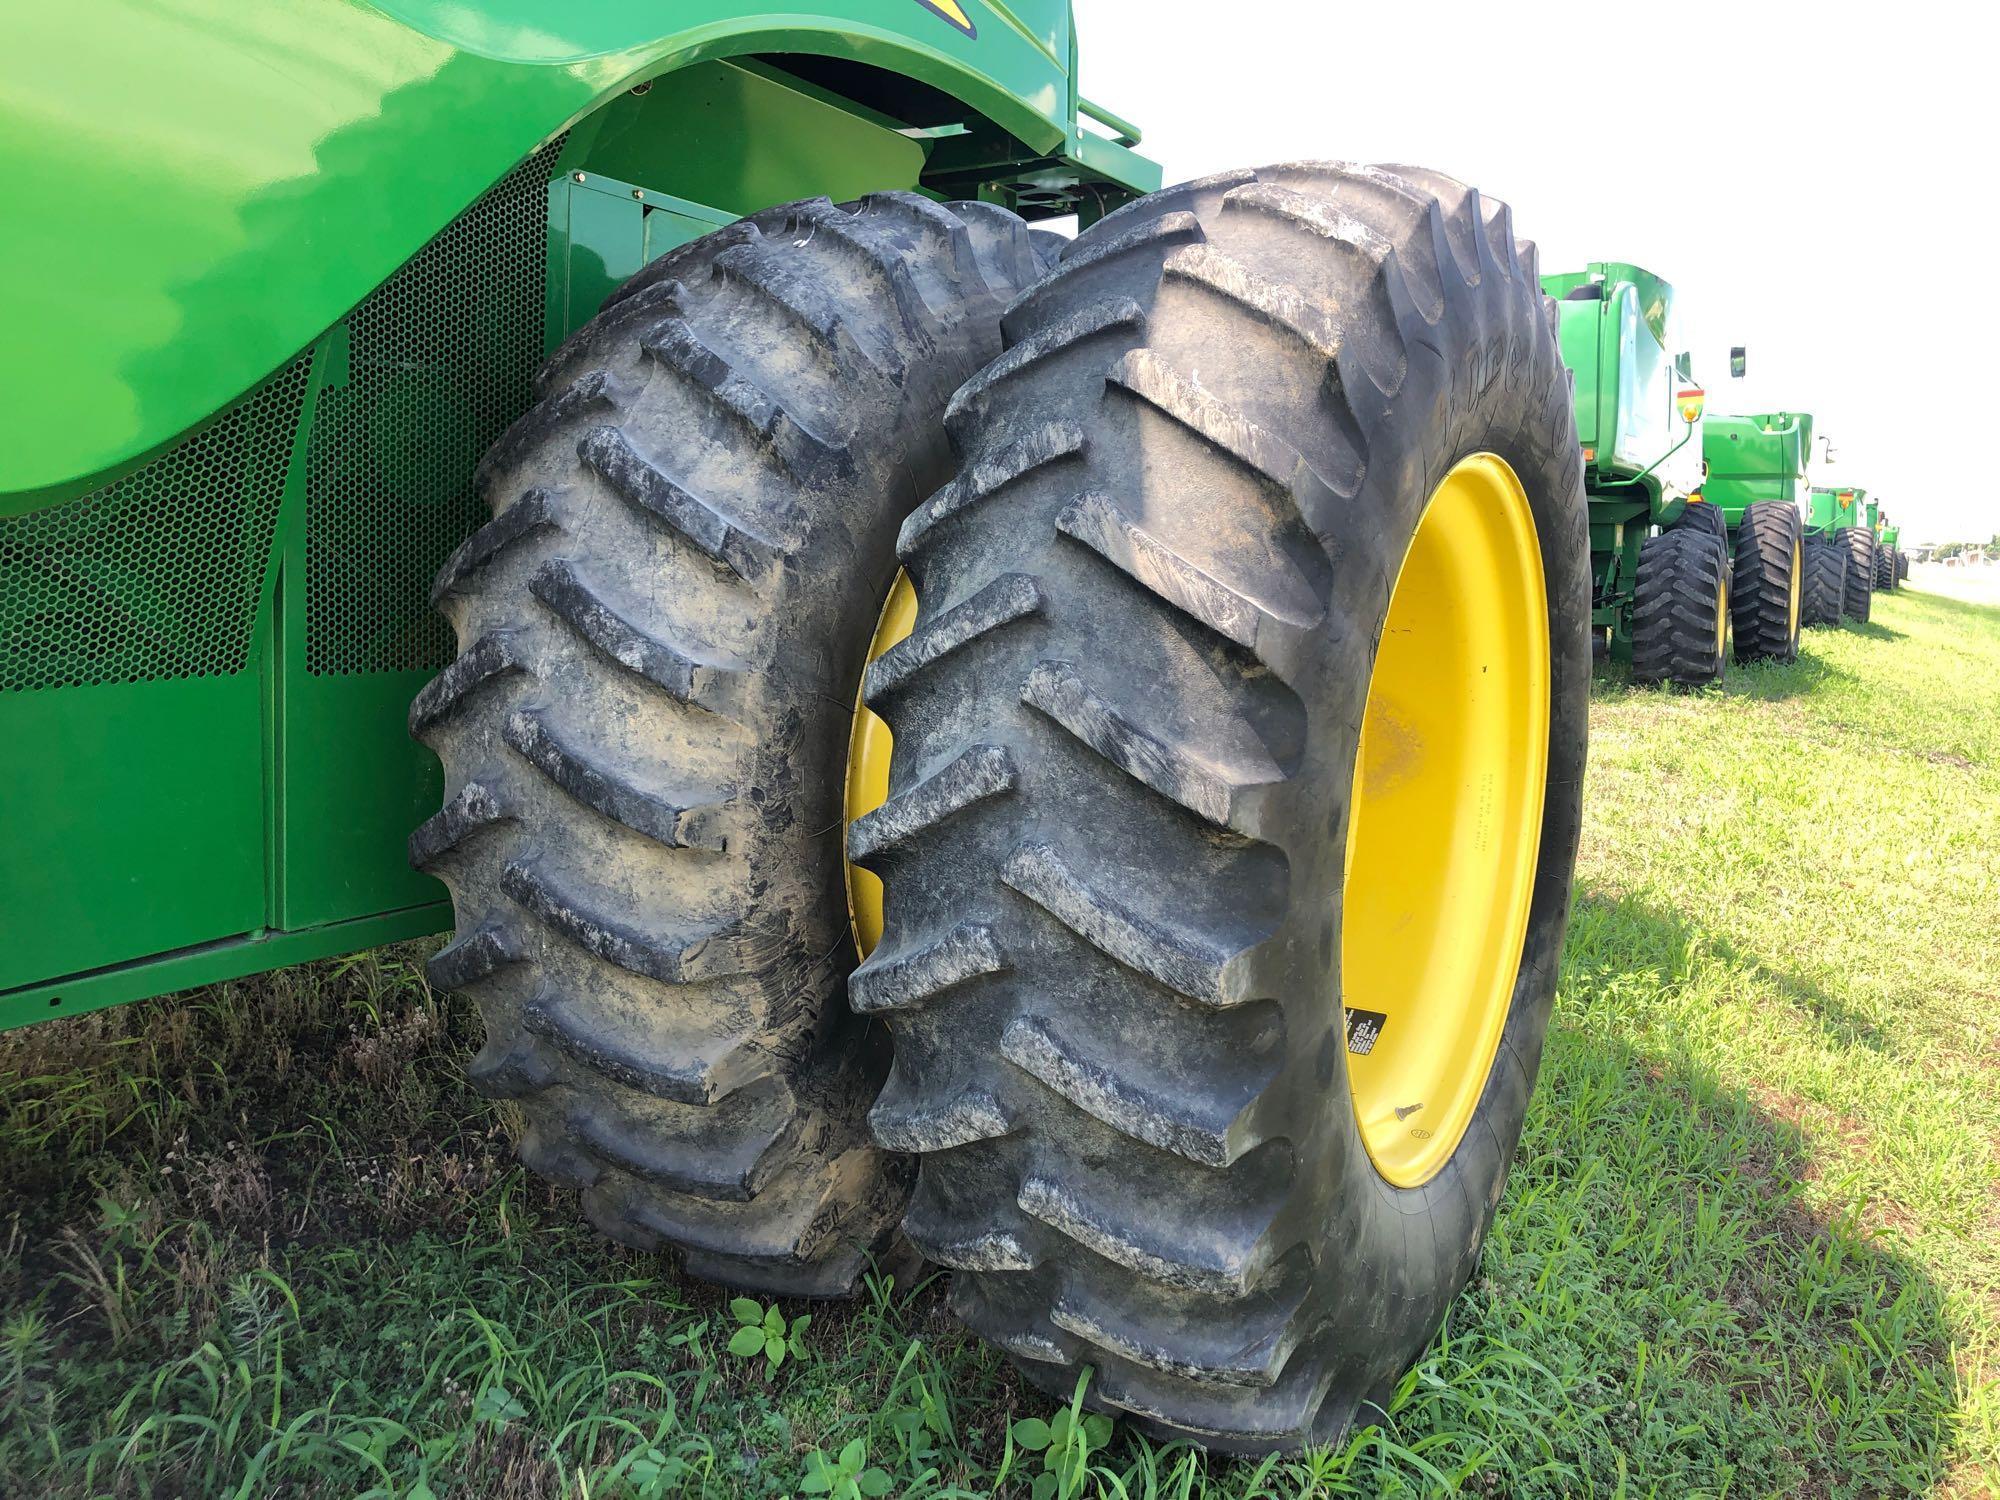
x,y
1615,328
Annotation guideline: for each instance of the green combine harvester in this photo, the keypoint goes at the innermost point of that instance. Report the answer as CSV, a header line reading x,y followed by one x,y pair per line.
x,y
1669,571
1839,522
650,452
1756,480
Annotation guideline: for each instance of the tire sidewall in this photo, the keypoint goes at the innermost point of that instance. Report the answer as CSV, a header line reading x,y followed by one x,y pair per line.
x,y
1402,1271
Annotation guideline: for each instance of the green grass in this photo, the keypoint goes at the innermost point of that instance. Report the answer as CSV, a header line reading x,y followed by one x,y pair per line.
x,y
262,1240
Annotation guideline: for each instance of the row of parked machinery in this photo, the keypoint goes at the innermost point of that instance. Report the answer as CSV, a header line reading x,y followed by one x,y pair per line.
x,y
1705,530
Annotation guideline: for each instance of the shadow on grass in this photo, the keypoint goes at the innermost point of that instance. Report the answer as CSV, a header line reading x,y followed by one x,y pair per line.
x,y
1875,630
264,1240
1774,680
1767,680
1627,939
1813,1353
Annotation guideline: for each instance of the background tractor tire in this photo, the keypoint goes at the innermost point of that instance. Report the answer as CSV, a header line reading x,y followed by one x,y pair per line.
x,y
1824,597
1859,542
1680,603
1885,568
1902,567
645,733
1126,734
1700,515
1767,585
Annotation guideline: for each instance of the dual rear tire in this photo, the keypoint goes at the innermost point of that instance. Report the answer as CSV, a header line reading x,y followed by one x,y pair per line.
x,y
1766,592
1858,599
1259,600
1680,604
1823,600
643,736
1181,645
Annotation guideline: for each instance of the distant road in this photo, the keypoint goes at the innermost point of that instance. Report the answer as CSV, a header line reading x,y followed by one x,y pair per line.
x,y
1976,585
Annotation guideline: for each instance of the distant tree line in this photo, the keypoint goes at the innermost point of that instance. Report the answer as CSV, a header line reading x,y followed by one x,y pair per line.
x,y
1945,550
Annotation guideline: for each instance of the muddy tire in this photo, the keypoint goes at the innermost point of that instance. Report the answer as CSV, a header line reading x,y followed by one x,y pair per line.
x,y
1699,515
1680,603
645,733
1824,597
1859,542
1126,735
1766,588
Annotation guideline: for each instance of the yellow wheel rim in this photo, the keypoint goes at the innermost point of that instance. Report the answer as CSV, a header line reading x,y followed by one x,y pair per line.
x,y
1792,594
868,745
1445,827
1721,616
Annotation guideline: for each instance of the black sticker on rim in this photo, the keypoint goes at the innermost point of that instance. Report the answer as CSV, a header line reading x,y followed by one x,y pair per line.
x,y
1364,1028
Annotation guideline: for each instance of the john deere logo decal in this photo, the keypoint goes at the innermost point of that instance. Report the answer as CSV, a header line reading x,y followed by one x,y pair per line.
x,y
953,12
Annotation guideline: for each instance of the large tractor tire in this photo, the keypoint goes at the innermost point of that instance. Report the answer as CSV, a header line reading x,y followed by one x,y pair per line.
x,y
1680,609
1193,741
1767,586
1860,544
1824,597
645,735
1885,568
1902,567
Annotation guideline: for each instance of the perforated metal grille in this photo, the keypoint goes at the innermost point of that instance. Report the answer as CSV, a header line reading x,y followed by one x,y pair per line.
x,y
440,360
157,575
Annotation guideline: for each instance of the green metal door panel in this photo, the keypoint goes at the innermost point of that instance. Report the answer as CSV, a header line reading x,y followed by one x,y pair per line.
x,y
740,139
667,229
605,238
1577,337
1755,458
134,821
1830,507
354,786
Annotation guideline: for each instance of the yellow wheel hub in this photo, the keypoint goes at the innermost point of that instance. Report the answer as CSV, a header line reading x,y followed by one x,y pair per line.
x,y
868,746
1445,827
1792,594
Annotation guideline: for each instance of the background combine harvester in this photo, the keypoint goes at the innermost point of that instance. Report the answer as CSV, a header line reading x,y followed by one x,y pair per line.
x,y
1891,567
1756,481
1839,520
1704,530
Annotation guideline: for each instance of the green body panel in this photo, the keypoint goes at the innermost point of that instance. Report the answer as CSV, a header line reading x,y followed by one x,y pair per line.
x,y
1830,508
252,446
1891,536
1641,460
1756,458
279,160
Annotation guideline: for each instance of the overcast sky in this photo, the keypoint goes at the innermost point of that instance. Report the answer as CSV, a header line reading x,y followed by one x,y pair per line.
x,y
1817,181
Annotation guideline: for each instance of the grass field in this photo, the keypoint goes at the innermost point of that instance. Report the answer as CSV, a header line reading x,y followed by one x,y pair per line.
x,y
262,1240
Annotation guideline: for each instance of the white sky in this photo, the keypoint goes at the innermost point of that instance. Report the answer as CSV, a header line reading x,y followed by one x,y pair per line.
x,y
1850,246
